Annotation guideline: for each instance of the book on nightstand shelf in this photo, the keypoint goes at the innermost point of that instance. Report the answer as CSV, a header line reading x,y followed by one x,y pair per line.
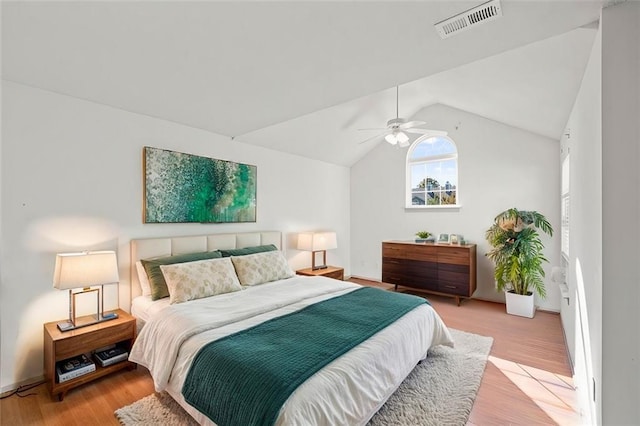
x,y
112,355
74,367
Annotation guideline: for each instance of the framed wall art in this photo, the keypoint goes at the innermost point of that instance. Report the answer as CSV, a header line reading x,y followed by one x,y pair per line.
x,y
182,188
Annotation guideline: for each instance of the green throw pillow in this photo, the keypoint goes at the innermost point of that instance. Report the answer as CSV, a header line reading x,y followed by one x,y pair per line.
x,y
248,250
157,283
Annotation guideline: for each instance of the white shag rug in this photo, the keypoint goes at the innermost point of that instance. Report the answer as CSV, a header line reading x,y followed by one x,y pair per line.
x,y
439,391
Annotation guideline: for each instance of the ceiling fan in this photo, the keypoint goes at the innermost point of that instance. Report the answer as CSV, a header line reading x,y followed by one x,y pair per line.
x,y
397,128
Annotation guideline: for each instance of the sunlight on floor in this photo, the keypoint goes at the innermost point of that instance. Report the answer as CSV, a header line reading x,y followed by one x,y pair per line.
x,y
553,393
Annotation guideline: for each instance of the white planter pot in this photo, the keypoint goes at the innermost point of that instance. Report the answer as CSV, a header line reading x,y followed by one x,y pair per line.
x,y
520,305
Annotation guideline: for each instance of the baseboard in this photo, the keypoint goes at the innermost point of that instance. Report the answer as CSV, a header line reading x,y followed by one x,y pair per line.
x,y
14,386
564,337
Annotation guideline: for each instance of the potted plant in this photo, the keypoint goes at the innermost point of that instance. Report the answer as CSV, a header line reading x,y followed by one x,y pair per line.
x,y
423,236
517,254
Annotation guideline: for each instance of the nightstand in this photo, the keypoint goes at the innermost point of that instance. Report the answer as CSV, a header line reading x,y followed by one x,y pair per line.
x,y
329,272
62,345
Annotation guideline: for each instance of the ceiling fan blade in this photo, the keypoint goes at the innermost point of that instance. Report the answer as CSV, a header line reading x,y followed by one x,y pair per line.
x,y
427,132
410,124
379,135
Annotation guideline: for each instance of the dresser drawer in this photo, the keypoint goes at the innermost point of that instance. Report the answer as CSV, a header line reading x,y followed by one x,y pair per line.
x,y
453,255
452,267
410,251
393,264
392,250
391,278
454,277
425,283
410,268
76,345
461,289
412,281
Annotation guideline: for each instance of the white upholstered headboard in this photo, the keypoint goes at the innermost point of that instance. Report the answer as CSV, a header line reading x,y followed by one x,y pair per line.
x,y
168,246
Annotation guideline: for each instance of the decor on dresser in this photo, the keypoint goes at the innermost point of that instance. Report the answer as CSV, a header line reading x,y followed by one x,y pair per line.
x,y
317,242
423,237
188,188
517,254
443,239
84,270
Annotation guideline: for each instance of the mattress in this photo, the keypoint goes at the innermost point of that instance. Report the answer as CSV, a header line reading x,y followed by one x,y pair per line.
x,y
347,391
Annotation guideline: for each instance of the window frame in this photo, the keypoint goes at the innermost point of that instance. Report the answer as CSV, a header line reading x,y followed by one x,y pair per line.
x,y
429,159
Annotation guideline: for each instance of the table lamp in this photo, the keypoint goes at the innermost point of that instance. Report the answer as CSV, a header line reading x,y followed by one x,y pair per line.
x,y
316,242
83,270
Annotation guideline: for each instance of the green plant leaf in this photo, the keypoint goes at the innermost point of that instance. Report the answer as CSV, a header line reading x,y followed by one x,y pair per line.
x,y
517,250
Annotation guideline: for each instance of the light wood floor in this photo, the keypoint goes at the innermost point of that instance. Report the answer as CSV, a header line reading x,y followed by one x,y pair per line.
x,y
526,381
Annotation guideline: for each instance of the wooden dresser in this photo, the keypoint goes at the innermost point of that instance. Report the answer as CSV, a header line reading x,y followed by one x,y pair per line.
x,y
445,269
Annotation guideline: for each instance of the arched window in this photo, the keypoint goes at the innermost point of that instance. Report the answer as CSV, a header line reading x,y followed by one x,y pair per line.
x,y
432,173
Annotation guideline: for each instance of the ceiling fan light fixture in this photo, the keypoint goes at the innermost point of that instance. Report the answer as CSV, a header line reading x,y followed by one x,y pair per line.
x,y
397,128
391,138
402,137
397,137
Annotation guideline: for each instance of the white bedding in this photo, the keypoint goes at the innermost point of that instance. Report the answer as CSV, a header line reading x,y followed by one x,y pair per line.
x,y
143,308
347,391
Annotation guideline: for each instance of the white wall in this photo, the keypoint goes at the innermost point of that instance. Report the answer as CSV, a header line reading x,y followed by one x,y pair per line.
x,y
499,167
605,207
585,258
72,179
621,214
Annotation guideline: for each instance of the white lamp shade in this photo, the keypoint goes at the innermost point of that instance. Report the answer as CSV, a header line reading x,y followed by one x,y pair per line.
x,y
402,137
391,138
76,270
317,241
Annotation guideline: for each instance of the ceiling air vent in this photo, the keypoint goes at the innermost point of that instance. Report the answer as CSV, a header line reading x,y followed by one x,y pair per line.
x,y
486,12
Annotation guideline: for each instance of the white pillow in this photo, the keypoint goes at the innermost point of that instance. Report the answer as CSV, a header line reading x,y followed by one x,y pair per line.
x,y
143,279
202,278
261,268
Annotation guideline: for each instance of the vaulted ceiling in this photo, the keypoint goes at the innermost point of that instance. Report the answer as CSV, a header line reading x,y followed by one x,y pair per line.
x,y
302,77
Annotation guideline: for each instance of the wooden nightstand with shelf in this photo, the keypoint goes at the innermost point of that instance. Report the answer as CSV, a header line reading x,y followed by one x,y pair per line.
x,y
63,345
330,272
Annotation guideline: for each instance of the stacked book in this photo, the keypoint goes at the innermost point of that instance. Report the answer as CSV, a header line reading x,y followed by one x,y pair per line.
x,y
109,356
74,367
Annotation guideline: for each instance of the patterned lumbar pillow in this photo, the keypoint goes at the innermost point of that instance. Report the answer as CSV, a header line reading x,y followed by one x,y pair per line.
x,y
203,278
260,268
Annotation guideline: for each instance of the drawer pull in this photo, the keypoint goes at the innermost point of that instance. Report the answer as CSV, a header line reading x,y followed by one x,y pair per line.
x,y
451,286
393,261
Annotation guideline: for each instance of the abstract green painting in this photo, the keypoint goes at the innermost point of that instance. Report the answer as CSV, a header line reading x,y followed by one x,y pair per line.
x,y
188,188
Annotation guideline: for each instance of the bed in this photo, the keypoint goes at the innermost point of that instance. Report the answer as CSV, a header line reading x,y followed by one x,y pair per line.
x,y
348,390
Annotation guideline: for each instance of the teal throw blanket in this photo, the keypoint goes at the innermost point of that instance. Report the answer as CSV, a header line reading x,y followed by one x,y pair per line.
x,y
244,379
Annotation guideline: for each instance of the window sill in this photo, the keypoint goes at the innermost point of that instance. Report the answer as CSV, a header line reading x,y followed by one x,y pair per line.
x,y
455,207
